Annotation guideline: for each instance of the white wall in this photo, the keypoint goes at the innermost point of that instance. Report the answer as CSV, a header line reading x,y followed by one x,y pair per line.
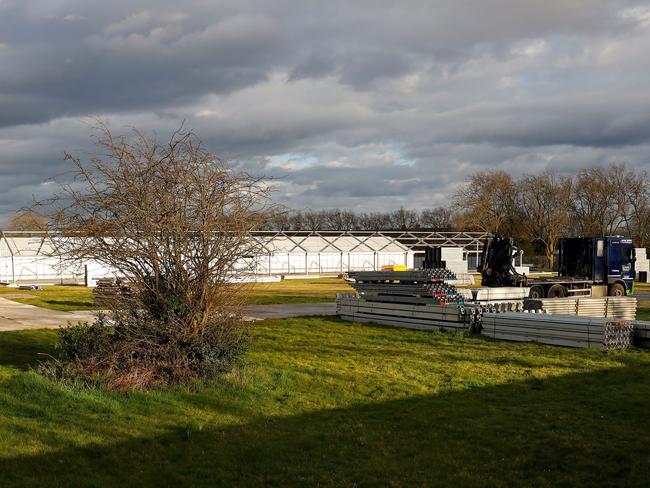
x,y
34,268
38,268
454,258
642,263
336,262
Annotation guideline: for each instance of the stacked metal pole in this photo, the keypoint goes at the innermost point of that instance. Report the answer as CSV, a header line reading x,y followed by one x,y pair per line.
x,y
614,307
428,316
426,283
562,330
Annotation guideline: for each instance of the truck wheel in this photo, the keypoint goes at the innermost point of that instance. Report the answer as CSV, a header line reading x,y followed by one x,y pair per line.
x,y
536,292
556,291
617,290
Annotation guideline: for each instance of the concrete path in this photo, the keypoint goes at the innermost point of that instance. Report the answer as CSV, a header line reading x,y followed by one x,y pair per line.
x,y
17,316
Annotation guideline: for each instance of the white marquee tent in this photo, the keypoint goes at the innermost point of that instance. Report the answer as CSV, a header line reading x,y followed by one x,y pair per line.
x,y
29,259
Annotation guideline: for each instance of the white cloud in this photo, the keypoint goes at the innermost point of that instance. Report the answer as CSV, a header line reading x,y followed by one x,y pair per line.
x,y
639,14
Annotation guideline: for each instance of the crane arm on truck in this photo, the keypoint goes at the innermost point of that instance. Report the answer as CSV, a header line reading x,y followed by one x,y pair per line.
x,y
496,263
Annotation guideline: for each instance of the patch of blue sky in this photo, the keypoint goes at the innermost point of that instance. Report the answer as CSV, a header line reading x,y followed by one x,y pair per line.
x,y
293,158
398,158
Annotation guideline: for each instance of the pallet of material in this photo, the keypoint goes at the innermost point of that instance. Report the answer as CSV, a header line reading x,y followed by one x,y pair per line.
x,y
562,330
423,317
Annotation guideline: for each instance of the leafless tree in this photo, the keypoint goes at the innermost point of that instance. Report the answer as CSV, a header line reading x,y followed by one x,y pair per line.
x,y
595,203
374,221
638,213
487,201
337,219
439,218
281,221
176,223
404,219
313,220
27,220
545,201
631,192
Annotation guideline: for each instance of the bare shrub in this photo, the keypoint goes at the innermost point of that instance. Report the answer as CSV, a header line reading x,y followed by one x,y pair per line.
x,y
175,222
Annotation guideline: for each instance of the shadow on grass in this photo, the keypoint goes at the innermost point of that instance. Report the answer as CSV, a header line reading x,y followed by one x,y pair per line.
x,y
71,303
23,349
579,429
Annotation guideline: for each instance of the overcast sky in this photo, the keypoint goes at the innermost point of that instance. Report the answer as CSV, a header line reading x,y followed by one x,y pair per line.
x,y
354,103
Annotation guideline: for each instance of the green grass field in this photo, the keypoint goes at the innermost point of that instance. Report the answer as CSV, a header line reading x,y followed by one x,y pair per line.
x,y
298,291
68,298
315,290
64,298
322,402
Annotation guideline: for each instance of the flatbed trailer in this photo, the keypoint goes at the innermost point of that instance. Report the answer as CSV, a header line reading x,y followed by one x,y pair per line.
x,y
558,287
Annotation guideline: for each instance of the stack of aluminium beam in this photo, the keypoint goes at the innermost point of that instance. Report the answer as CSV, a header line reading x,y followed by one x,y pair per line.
x,y
425,316
614,307
429,283
622,307
561,330
592,307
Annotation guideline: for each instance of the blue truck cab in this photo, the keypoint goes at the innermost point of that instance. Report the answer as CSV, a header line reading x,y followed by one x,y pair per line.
x,y
599,261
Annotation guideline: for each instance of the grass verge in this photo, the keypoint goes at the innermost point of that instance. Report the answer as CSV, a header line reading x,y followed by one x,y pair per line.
x,y
323,402
63,298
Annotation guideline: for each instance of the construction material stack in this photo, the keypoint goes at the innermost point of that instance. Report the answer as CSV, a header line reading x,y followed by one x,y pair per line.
x,y
613,307
108,290
422,316
403,286
418,299
561,330
426,300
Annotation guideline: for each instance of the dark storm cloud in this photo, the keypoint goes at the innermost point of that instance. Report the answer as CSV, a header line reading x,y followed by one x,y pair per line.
x,y
369,103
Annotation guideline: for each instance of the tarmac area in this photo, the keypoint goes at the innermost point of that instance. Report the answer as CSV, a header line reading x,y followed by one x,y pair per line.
x,y
19,316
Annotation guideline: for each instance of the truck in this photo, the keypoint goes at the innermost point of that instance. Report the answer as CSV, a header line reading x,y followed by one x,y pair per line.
x,y
597,266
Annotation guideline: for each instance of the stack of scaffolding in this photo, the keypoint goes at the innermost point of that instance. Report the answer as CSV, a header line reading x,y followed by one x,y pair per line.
x,y
109,289
426,283
561,330
614,307
425,316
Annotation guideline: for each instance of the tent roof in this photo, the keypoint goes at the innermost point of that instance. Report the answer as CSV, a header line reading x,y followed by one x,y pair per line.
x,y
331,244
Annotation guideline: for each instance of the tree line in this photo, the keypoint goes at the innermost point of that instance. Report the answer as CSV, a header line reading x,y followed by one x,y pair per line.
x,y
540,209
537,210
439,218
